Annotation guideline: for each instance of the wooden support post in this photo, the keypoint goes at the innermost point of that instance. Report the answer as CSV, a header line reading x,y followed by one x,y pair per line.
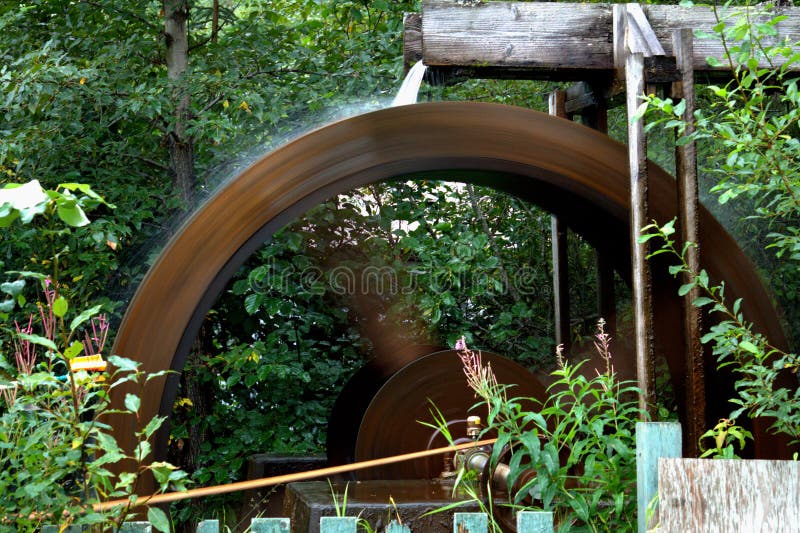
x,y
534,522
654,440
640,269
558,232
338,524
209,526
269,525
412,40
686,176
470,523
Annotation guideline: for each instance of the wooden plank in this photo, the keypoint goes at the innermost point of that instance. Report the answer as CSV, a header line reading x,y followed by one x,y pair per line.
x,y
566,41
412,40
208,526
686,177
729,495
270,525
338,524
534,522
639,217
641,37
470,523
654,440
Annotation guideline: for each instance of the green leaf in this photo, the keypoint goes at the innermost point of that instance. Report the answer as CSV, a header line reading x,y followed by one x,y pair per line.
x,y
74,350
60,307
37,339
132,402
71,214
123,363
12,288
158,519
84,316
749,346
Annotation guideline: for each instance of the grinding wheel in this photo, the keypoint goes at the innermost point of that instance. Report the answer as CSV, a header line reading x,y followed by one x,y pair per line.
x,y
391,424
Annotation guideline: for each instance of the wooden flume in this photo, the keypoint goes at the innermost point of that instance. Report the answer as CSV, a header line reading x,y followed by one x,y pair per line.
x,y
287,478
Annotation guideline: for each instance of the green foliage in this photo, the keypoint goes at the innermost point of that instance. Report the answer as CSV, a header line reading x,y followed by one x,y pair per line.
x,y
737,346
572,454
725,435
747,131
56,451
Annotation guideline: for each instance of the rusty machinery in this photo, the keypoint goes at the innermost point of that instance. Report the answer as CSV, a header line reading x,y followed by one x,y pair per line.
x,y
572,171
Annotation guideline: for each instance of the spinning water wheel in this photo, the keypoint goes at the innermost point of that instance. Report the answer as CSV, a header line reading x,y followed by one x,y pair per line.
x,y
573,171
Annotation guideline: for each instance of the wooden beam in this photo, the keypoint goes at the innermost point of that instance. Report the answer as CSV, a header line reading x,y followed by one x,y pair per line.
x,y
686,177
640,267
558,41
641,37
412,40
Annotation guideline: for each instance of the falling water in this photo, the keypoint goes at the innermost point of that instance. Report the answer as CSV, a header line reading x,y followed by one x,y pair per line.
x,y
410,87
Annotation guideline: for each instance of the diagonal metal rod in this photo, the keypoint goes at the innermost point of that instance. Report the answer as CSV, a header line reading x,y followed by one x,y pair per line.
x,y
287,478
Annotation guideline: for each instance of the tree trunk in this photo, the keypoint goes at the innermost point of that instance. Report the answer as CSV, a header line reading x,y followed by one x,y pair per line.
x,y
181,149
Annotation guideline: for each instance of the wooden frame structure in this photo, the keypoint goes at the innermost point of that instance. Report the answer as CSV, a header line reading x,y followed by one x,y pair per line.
x,y
608,50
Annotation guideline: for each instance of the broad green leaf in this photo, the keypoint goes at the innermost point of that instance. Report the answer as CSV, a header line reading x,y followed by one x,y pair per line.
x,y
158,519
60,307
71,214
12,288
74,350
38,339
132,402
84,316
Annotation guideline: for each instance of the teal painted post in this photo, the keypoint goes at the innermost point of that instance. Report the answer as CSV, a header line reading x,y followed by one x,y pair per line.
x,y
136,527
397,527
269,525
470,523
534,522
338,524
208,526
653,441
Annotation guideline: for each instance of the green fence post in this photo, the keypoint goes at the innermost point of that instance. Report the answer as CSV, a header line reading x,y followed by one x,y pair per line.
x,y
208,526
397,527
470,523
136,527
338,524
534,522
653,441
269,525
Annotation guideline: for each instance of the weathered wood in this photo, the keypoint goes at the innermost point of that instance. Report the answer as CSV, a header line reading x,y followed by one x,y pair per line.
x,y
686,177
654,440
534,522
412,40
338,524
470,523
640,267
641,38
606,296
729,495
270,525
561,41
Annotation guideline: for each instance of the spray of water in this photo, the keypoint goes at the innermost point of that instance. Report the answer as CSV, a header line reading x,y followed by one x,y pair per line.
x,y
410,88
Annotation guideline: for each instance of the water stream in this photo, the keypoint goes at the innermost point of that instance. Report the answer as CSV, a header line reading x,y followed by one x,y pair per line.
x,y
410,88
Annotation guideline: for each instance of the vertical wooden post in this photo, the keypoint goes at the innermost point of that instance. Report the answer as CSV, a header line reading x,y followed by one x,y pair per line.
x,y
534,522
269,525
686,176
640,271
208,526
470,523
654,440
558,241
